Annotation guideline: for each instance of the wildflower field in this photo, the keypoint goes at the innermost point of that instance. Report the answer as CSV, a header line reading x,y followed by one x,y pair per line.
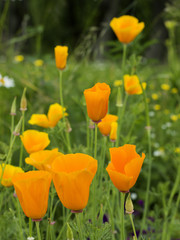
x,y
90,147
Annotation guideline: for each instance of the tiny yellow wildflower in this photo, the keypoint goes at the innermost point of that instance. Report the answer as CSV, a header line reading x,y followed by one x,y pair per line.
x,y
174,90
155,96
19,58
38,62
165,87
174,117
177,150
157,107
118,83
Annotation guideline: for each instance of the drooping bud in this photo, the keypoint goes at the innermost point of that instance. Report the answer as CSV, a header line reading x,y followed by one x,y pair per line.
x,y
129,205
18,128
23,104
68,126
13,107
119,102
69,233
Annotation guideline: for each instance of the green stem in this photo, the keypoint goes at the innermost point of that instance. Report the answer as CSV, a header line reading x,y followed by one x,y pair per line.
x,y
38,230
30,227
103,154
22,149
148,126
120,118
95,142
79,225
167,210
62,229
3,18
12,128
87,134
62,104
20,220
132,222
122,215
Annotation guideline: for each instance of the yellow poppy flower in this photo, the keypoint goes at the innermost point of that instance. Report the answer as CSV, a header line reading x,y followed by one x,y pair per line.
x,y
113,133
72,177
32,189
34,141
55,113
97,99
132,85
124,167
61,53
9,172
126,28
43,160
105,124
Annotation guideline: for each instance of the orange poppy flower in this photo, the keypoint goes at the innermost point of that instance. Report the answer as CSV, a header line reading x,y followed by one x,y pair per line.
x,y
61,53
132,85
43,160
34,141
105,124
97,99
9,172
32,189
72,177
113,133
125,166
126,28
55,113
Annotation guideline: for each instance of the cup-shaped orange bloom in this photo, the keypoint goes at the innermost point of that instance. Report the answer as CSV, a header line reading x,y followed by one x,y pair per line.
x,y
72,177
97,99
9,172
105,124
125,166
43,160
32,189
55,113
132,85
61,53
126,28
34,141
113,133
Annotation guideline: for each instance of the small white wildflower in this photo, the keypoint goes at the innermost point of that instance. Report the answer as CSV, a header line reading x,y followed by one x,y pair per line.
x,y
30,238
151,114
158,153
6,82
133,196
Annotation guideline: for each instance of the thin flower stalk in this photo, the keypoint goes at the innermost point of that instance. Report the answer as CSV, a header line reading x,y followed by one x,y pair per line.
x,y
62,104
148,127
38,230
120,119
132,223
20,219
78,220
122,215
167,210
30,227
22,149
62,229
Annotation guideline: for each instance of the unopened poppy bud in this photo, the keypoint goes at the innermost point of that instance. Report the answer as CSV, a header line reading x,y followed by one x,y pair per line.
x,y
119,98
129,205
68,126
113,133
23,104
13,107
18,128
69,233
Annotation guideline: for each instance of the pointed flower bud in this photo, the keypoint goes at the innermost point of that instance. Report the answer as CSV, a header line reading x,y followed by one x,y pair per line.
x,y
18,128
129,205
69,233
23,104
119,102
13,107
